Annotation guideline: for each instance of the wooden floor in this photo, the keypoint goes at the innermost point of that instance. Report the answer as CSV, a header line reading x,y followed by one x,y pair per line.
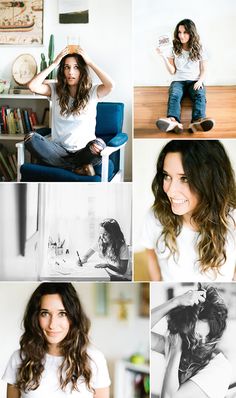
x,y
150,103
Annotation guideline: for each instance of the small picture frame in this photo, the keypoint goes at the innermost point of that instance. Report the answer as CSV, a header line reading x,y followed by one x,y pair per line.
x,y
144,301
73,11
101,299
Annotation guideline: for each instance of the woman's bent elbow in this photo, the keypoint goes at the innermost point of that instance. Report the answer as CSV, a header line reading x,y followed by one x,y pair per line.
x,y
111,86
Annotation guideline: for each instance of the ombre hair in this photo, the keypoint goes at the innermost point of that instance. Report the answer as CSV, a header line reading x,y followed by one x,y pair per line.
x,y
83,90
116,239
182,320
210,176
33,344
194,44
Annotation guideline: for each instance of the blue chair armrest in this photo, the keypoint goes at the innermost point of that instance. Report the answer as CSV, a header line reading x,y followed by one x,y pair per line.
x,y
118,140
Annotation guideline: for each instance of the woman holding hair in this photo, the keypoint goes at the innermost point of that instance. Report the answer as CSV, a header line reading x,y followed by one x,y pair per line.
x,y
74,145
195,366
112,249
190,231
186,61
56,358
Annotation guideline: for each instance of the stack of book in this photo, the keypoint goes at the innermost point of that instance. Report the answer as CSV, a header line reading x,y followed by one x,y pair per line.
x,y
17,120
8,165
20,90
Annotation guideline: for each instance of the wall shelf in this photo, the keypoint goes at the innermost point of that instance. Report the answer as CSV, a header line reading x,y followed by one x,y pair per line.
x,y
125,374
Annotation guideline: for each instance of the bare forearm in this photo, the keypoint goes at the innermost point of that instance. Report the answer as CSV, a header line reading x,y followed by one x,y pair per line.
x,y
36,85
153,266
40,77
120,268
103,76
162,310
87,255
171,68
203,69
171,379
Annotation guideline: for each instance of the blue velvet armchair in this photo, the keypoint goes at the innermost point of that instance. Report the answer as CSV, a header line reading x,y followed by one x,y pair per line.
x,y
109,124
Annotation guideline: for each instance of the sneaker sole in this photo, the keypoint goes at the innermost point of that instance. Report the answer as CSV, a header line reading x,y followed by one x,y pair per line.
x,y
164,125
205,125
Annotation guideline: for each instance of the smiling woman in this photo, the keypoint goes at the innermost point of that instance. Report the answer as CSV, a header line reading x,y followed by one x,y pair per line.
x,y
190,231
53,321
56,358
183,201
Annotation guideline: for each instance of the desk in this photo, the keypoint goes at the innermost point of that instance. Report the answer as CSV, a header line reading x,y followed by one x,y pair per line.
x,y
66,268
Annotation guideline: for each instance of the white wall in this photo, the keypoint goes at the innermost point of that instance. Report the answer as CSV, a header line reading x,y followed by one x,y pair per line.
x,y
215,21
115,338
145,156
106,38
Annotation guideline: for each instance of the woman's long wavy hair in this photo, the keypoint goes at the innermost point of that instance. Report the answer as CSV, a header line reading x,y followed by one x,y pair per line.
x,y
83,89
33,345
194,44
182,320
112,248
211,177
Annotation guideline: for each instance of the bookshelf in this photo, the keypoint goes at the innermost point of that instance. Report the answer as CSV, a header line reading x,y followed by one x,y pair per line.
x,y
38,104
129,380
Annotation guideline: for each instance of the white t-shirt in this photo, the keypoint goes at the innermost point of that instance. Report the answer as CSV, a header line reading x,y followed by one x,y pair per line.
x,y
73,132
49,386
186,69
185,267
214,379
124,255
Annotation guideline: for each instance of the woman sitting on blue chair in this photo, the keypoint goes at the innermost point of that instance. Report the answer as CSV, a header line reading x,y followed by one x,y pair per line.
x,y
74,145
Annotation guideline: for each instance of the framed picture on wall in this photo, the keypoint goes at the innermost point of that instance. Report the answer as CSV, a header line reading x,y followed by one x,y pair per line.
x,y
73,11
144,300
21,22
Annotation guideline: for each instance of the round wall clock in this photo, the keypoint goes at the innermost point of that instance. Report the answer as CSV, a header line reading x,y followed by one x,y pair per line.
x,y
24,69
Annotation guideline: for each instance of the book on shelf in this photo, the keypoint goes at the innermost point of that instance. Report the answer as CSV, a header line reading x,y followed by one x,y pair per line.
x,y
27,121
1,123
2,174
11,123
21,126
4,118
12,163
18,120
8,172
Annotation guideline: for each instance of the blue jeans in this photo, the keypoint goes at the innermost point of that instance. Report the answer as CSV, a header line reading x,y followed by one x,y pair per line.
x,y
53,154
177,91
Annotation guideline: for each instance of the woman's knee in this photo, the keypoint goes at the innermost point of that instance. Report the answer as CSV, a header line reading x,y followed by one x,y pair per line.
x,y
96,146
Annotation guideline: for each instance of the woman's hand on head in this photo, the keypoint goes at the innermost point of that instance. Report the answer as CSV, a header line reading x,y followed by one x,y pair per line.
x,y
61,55
85,56
191,298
